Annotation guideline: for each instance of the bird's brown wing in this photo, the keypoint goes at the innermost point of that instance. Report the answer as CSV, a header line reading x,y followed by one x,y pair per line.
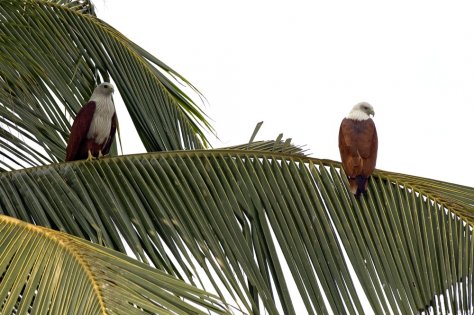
x,y
368,147
347,148
358,146
110,140
80,128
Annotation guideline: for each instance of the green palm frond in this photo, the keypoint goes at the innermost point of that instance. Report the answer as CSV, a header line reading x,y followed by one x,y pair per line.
x,y
83,6
277,145
52,54
237,218
458,198
49,272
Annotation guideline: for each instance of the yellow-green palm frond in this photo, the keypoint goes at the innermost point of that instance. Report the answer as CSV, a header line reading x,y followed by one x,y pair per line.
x,y
49,272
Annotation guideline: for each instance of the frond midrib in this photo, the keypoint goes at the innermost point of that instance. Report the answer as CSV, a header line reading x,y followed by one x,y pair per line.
x,y
461,209
64,242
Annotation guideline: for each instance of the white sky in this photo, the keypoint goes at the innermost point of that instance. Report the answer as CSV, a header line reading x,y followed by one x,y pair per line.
x,y
300,67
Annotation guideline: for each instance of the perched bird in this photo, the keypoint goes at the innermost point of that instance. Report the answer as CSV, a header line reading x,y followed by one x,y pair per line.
x,y
358,146
93,130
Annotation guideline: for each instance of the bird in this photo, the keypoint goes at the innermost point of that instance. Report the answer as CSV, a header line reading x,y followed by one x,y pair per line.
x,y
93,129
358,144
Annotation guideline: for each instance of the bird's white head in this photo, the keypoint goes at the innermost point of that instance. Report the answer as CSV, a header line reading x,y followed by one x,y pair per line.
x,y
361,111
105,89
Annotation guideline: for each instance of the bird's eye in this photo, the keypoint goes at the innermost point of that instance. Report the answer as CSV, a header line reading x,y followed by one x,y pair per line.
x,y
106,86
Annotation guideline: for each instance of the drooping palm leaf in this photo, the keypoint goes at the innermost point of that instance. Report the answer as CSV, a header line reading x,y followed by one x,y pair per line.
x,y
243,216
52,53
49,272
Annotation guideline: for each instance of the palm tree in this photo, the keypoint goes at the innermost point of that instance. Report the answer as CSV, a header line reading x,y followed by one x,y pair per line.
x,y
259,228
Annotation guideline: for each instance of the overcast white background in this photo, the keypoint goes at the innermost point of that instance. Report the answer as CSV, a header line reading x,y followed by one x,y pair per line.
x,y
300,66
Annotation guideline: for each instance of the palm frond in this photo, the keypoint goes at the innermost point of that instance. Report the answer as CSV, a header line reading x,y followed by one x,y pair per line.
x,y
49,272
238,218
277,145
51,57
82,6
458,198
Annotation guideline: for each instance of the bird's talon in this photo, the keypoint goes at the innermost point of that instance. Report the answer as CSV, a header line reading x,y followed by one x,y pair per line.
x,y
90,157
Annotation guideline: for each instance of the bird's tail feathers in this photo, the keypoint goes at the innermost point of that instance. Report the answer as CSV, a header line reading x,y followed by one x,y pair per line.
x,y
358,185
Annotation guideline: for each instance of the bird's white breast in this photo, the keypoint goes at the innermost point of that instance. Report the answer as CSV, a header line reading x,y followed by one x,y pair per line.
x,y
102,119
358,114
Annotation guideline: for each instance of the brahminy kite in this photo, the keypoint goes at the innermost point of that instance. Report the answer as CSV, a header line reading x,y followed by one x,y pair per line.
x,y
93,129
358,146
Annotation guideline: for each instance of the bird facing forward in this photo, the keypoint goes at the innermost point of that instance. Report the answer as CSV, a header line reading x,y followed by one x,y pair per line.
x,y
93,129
358,145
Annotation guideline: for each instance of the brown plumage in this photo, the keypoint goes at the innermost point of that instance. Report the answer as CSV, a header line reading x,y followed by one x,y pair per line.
x,y
358,146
